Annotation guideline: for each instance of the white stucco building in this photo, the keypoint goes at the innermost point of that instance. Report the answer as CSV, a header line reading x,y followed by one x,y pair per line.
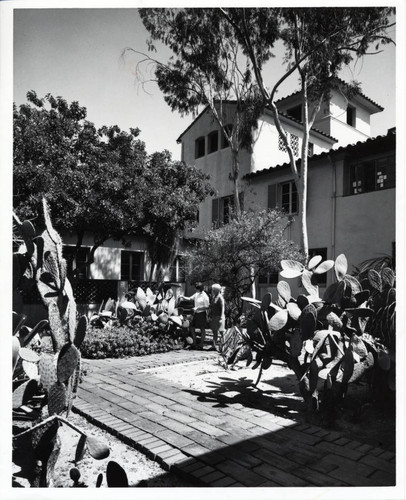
x,y
351,182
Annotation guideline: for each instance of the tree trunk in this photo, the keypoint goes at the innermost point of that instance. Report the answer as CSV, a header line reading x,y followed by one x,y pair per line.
x,y
235,175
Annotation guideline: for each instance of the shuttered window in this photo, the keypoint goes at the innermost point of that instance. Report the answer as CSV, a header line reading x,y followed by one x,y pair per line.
x,y
222,208
283,196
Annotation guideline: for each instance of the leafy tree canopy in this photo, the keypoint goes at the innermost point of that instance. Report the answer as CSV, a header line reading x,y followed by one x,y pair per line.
x,y
238,252
102,180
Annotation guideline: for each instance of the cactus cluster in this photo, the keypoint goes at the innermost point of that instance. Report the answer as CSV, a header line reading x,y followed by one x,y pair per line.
x,y
46,358
325,341
160,307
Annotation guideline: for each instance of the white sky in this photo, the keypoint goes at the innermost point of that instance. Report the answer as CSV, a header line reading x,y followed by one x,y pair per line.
x,y
76,54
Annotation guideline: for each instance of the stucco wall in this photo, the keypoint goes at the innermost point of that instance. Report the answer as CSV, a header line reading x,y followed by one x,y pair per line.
x,y
107,258
266,152
360,226
366,225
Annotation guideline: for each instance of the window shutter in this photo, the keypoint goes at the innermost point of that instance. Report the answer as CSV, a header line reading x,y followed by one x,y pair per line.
x,y
272,196
215,216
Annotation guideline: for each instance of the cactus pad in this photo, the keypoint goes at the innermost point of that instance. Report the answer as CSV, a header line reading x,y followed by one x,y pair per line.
x,y
55,323
31,369
278,320
47,370
296,344
341,266
97,448
284,291
24,393
80,448
80,331
57,399
116,476
67,362
28,355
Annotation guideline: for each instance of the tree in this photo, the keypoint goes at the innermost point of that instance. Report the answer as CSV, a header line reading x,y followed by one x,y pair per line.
x,y
91,179
238,252
174,191
318,44
207,69
100,181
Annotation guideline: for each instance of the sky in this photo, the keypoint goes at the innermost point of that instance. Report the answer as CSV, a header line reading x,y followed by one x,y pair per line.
x,y
76,53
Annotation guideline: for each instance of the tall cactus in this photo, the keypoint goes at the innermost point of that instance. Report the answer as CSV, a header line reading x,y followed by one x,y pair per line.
x,y
57,369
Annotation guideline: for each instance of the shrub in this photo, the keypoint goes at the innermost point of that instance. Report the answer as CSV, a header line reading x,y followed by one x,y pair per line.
x,y
121,341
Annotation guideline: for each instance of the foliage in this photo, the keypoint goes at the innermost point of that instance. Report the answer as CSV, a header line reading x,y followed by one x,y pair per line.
x,y
144,323
238,252
175,191
46,368
325,341
206,68
121,341
100,181
91,178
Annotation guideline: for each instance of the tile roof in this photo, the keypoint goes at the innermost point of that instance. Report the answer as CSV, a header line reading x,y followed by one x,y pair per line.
x,y
371,146
379,108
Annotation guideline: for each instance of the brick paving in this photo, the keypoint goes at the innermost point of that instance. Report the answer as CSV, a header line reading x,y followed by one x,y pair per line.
x,y
215,444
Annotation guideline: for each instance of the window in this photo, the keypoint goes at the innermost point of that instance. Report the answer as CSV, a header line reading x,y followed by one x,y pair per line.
x,y
281,144
295,112
222,209
268,278
351,116
76,264
294,142
321,278
213,142
224,142
283,196
289,202
371,175
178,270
200,147
132,266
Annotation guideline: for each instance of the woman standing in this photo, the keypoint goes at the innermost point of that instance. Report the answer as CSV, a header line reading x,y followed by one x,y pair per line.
x,y
217,313
199,321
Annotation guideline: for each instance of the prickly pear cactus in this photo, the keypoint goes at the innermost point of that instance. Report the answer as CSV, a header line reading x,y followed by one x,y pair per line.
x,y
56,368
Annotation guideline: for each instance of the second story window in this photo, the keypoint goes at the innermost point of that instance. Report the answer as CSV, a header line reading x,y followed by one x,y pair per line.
x,y
200,144
351,116
372,175
281,144
294,142
222,209
213,142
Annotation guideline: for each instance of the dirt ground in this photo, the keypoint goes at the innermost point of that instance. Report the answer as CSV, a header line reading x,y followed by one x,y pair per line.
x,y
140,470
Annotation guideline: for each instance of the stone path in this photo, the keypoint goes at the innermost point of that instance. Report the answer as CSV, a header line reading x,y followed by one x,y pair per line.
x,y
217,442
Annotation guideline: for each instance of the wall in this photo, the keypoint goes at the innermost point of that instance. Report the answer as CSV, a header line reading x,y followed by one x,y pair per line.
x,y
217,164
107,258
361,226
266,152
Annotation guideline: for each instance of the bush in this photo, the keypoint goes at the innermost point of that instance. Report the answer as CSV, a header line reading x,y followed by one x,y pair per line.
x,y
121,341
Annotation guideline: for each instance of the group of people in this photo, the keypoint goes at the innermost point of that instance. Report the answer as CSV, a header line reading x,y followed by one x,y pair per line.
x,y
203,309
